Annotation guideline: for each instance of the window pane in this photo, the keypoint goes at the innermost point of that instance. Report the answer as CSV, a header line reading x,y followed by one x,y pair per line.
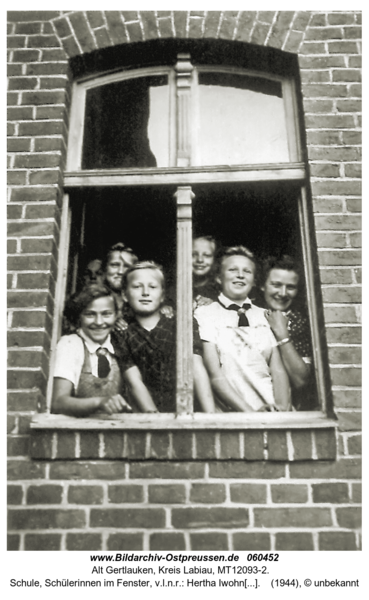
x,y
127,124
241,120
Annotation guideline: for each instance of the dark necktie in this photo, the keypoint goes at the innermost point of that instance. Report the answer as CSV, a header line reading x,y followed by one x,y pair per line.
x,y
103,365
241,311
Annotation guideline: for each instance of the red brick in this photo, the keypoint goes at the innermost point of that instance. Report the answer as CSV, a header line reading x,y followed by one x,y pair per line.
x,y
251,541
182,445
89,444
354,444
26,56
345,75
349,421
113,444
87,470
82,32
22,83
198,517
346,257
259,33
333,493
31,15
49,144
125,541
314,76
247,470
345,355
84,541
166,494
95,18
289,493
14,70
341,18
195,28
47,518
19,113
11,424
325,444
19,470
13,542
134,32
325,170
115,27
292,517
36,194
326,33
121,494
136,444
23,401
16,178
312,48
30,229
14,494
19,145
315,90
41,128
102,38
337,540
32,359
353,205
26,338
85,494
346,376
296,540
213,541
212,21
167,541
56,54
165,27
347,398
302,444
336,187
28,28
248,493
230,445
343,153
342,47
42,541
27,299
356,492
43,41
208,493
254,445
277,445
41,445
44,494
340,294
62,27
245,24
18,379
205,445
341,469
336,275
172,470
146,518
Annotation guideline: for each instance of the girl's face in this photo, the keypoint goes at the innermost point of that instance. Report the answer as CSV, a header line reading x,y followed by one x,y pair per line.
x,y
98,319
144,292
280,289
202,257
237,274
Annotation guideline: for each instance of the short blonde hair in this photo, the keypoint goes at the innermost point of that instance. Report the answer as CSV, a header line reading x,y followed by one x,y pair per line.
x,y
144,264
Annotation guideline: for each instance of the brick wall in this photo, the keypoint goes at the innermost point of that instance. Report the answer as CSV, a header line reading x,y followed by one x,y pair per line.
x,y
170,503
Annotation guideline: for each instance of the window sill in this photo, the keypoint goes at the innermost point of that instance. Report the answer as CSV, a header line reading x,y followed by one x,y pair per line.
x,y
247,437
169,421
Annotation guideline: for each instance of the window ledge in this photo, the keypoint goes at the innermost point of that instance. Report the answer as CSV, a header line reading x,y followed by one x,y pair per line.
x,y
201,437
163,421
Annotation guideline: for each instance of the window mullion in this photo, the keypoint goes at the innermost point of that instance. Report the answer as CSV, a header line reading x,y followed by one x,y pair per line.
x,y
183,69
184,396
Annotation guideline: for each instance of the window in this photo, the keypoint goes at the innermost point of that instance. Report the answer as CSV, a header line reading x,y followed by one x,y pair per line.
x,y
157,148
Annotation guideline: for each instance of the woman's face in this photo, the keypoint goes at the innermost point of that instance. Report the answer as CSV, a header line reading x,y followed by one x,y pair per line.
x,y
98,319
202,257
280,289
237,274
118,264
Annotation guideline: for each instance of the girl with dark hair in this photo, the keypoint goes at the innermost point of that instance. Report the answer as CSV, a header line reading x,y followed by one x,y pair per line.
x,y
86,374
280,285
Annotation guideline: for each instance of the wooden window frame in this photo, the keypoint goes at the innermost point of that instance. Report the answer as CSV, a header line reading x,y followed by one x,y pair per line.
x,y
184,176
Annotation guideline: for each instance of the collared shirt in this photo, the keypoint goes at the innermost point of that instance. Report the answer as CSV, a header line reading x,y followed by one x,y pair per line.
x,y
70,355
244,352
153,352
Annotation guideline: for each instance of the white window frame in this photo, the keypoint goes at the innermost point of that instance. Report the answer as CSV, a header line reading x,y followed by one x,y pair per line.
x,y
181,79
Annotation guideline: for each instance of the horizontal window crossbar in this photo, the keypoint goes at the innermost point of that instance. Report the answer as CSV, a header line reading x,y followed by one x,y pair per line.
x,y
175,176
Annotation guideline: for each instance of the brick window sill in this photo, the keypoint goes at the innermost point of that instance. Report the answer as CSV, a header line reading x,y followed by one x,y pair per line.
x,y
247,437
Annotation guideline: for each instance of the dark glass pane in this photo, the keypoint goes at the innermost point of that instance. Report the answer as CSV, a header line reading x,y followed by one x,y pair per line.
x,y
241,120
127,124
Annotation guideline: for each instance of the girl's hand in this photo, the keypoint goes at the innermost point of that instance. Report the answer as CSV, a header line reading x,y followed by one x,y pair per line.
x,y
115,404
167,311
278,323
120,324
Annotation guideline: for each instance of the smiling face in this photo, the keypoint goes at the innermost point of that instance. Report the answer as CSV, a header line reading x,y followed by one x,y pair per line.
x,y
117,265
202,257
98,319
144,292
280,289
237,274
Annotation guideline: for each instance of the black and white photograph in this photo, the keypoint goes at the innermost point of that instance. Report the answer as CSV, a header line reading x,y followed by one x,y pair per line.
x,y
184,295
